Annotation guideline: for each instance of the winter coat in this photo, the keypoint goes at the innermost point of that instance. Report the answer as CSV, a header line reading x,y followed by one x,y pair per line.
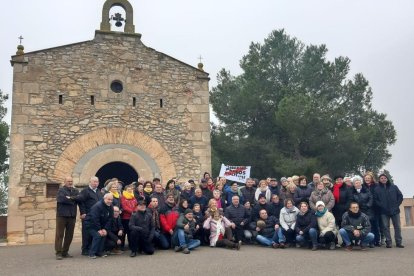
x,y
256,210
388,198
142,223
375,209
364,199
67,207
326,223
342,205
237,215
361,222
269,230
288,218
231,193
216,228
275,209
128,207
249,194
267,193
182,221
99,217
207,193
306,221
168,218
302,193
200,200
323,195
88,198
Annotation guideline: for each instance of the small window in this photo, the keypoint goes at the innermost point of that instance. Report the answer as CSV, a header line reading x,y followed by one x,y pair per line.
x,y
134,101
52,189
116,86
60,99
161,103
92,100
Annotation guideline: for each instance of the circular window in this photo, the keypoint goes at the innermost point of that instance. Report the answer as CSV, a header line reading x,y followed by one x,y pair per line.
x,y
116,86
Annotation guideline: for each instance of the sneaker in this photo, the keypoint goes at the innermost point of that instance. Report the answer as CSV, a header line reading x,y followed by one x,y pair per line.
x,y
275,245
282,245
178,248
400,245
67,255
332,246
348,248
92,256
186,251
59,257
238,245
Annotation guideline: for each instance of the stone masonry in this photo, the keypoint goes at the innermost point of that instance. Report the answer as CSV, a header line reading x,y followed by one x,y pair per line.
x,y
66,120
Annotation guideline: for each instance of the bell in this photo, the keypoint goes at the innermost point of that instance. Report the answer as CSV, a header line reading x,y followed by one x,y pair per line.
x,y
118,24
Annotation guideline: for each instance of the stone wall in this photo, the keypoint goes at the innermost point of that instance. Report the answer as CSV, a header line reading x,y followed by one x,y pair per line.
x,y
50,138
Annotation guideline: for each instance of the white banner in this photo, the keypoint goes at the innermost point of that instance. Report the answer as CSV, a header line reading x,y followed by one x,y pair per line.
x,y
235,173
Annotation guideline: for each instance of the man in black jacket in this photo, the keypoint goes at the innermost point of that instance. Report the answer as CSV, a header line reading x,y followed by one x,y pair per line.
x,y
98,223
248,191
87,198
142,230
113,237
238,216
66,198
388,198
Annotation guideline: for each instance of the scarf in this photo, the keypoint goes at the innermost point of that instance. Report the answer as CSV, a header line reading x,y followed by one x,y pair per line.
x,y
320,214
128,195
303,213
148,190
290,210
336,191
115,194
219,231
156,218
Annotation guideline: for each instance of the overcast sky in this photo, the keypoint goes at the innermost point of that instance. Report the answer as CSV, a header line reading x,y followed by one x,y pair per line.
x,y
377,35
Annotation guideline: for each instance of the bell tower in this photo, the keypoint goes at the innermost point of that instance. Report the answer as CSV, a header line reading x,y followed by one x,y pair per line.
x,y
119,20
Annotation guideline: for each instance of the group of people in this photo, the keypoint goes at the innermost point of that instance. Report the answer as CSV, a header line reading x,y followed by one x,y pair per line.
x,y
144,215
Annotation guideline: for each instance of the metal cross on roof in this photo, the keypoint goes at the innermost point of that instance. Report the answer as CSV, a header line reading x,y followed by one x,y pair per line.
x,y
200,58
20,39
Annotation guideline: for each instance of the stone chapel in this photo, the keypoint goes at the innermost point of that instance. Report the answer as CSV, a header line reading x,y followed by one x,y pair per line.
x,y
110,107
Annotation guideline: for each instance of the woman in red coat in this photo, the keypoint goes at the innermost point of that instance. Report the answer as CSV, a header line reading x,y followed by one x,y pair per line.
x,y
128,206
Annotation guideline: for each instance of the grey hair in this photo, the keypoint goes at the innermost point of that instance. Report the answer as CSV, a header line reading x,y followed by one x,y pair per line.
x,y
93,178
356,178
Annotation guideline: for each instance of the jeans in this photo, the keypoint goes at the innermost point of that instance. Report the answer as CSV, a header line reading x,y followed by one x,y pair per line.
x,y
348,236
312,235
98,243
397,228
184,242
268,241
161,240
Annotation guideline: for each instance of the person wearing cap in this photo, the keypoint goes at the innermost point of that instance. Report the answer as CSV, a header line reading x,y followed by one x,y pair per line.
x,y
388,198
326,225
343,197
321,193
327,181
355,227
183,238
142,230
267,228
287,220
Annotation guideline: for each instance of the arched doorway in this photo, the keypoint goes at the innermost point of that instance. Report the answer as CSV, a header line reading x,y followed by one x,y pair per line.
x,y
120,170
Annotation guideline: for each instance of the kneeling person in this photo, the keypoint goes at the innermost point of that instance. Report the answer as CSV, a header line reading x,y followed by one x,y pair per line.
x,y
268,229
184,233
355,227
141,227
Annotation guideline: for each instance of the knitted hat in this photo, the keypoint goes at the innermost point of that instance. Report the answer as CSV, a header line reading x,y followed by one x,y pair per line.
x,y
188,211
320,203
283,179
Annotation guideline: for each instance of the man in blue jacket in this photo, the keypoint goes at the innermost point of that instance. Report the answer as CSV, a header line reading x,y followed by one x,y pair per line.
x,y
388,198
98,223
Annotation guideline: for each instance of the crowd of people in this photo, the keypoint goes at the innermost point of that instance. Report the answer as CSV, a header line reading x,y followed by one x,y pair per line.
x,y
144,215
